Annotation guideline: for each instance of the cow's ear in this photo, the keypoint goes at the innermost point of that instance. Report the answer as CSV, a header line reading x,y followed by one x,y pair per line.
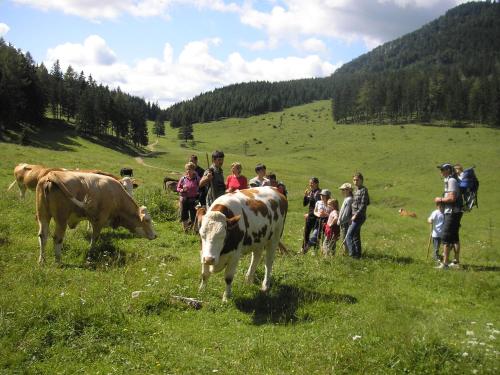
x,y
233,221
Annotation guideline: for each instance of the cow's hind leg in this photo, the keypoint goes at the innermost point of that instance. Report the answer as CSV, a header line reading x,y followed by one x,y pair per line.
x,y
59,232
43,234
256,257
270,253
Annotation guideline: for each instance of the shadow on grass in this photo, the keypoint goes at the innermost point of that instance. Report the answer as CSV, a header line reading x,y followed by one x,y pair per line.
x,y
281,304
479,268
58,135
388,258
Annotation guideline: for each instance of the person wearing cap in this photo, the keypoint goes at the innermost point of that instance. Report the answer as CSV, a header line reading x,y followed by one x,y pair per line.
x,y
360,201
452,215
260,179
311,196
214,178
345,213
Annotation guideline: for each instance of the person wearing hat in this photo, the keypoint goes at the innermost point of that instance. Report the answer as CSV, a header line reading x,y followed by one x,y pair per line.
x,y
360,201
452,215
311,196
260,179
345,211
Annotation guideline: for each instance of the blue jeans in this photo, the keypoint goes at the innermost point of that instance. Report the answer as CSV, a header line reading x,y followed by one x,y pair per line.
x,y
353,237
436,241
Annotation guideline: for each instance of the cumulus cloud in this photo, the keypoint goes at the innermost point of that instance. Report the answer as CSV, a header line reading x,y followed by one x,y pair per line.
x,y
111,9
4,29
362,20
174,78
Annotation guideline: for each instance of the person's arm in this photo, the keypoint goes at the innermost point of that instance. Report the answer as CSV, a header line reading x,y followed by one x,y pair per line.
x,y
206,179
450,196
180,185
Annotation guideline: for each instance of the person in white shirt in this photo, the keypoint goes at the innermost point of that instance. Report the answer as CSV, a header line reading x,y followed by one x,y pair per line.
x,y
436,219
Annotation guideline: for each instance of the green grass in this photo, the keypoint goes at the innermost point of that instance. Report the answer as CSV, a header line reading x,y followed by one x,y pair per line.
x,y
390,312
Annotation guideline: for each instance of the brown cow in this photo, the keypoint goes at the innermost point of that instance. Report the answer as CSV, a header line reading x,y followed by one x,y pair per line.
x,y
69,197
28,175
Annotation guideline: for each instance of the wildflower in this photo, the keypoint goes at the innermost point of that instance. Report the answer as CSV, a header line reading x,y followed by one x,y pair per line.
x,y
356,337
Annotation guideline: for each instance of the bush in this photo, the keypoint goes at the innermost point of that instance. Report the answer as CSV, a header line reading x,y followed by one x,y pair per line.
x,y
161,207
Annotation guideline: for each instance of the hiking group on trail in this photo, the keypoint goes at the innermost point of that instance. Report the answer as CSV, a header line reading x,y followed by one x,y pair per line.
x,y
324,223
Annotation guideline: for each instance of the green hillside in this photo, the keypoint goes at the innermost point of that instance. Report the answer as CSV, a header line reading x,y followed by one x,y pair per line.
x,y
390,312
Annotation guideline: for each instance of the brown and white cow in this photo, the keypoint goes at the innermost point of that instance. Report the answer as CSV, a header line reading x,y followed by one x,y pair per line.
x,y
250,220
69,197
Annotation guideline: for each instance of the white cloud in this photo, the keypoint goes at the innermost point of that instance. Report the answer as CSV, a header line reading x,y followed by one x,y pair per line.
x,y
193,71
4,29
93,51
370,21
314,45
111,9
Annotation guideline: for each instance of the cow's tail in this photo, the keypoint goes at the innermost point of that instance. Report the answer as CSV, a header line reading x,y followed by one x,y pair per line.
x,y
12,185
54,178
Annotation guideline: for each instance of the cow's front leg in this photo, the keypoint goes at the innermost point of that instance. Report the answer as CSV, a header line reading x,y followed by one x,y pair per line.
x,y
59,232
43,234
270,252
228,277
256,256
205,274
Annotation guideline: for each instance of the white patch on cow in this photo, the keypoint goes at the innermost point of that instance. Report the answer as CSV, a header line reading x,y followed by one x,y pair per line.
x,y
212,233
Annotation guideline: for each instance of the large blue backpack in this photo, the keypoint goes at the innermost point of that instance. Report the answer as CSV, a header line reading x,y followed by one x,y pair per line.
x,y
469,185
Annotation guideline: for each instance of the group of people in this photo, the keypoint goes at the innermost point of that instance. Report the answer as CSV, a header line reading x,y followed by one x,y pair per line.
x,y
203,187
325,219
325,224
445,220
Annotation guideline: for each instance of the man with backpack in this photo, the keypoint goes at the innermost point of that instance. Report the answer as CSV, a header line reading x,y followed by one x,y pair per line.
x,y
452,201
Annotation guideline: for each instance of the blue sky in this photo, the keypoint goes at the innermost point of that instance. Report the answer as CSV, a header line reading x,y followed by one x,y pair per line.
x,y
171,50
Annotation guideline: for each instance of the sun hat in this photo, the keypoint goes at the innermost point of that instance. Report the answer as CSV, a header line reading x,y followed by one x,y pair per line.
x,y
345,186
326,192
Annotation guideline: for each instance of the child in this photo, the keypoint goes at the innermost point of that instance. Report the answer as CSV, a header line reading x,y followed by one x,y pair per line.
x,y
345,213
332,228
321,211
436,219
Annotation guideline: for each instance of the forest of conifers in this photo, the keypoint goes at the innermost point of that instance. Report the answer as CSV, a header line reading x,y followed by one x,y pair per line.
x,y
449,70
28,90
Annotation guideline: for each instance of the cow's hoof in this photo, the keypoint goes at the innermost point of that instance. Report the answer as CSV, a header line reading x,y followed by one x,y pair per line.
x,y
226,298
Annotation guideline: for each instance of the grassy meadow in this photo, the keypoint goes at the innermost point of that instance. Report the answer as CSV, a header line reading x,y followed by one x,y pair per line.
x,y
390,312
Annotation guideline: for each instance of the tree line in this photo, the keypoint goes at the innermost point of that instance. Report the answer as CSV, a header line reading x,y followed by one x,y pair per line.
x,y
247,99
28,90
448,70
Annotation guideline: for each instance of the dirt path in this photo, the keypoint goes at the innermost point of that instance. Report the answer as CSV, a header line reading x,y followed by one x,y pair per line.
x,y
151,147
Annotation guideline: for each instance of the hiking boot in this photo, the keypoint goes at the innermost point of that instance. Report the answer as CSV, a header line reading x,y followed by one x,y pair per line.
x,y
454,265
442,266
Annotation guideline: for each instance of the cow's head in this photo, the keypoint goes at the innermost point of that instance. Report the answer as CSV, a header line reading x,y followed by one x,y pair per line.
x,y
214,229
145,228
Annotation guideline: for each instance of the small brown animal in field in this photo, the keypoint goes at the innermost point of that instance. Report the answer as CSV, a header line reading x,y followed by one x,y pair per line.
x,y
403,212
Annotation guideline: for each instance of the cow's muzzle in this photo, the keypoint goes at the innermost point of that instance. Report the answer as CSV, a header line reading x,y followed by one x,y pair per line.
x,y
209,261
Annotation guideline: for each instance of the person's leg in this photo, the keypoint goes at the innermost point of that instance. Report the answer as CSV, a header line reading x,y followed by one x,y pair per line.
x,y
349,238
435,244
309,225
357,238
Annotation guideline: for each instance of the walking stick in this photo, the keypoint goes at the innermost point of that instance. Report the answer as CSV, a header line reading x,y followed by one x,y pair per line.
x,y
429,246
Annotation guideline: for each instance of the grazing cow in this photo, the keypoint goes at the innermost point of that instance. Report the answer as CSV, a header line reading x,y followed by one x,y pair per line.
x,y
70,196
28,175
250,220
403,212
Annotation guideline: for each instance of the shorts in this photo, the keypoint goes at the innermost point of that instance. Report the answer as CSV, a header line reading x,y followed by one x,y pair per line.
x,y
451,227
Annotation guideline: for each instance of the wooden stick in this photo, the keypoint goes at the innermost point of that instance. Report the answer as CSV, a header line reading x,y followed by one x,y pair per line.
x,y
191,302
